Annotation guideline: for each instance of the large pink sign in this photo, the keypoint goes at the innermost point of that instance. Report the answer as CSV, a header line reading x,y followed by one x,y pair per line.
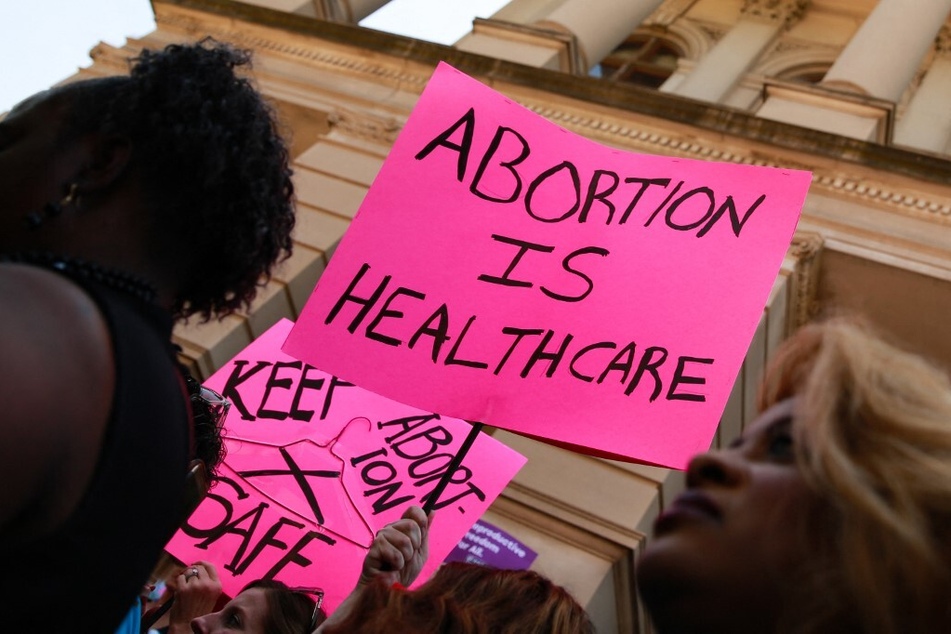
x,y
316,466
505,270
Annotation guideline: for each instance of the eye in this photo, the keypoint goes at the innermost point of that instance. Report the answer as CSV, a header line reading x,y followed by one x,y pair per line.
x,y
233,620
780,443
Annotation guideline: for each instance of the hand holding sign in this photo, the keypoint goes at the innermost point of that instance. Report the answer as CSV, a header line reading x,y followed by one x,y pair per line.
x,y
399,551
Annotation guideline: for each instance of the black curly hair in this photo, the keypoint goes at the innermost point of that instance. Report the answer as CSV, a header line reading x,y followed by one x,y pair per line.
x,y
209,410
212,162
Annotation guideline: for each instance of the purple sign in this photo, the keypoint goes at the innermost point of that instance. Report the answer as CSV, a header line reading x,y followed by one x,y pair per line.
x,y
487,545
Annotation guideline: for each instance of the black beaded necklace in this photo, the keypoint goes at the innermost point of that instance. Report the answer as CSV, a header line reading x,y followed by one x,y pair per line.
x,y
114,279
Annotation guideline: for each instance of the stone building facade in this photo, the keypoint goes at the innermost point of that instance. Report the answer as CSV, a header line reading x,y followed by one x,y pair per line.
x,y
857,91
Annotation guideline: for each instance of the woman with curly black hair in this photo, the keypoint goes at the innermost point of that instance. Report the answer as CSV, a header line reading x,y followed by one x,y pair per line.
x,y
125,203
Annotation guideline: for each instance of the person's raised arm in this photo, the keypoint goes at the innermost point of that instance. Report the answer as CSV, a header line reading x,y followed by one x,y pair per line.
x,y
397,555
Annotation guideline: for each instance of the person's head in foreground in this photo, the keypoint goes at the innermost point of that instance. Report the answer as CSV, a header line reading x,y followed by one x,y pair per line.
x,y
467,599
831,513
265,607
175,173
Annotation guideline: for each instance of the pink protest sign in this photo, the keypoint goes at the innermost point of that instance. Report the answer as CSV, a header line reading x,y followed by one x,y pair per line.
x,y
505,270
316,466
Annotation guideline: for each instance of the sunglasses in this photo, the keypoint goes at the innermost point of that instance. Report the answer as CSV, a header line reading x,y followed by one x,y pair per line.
x,y
207,402
318,595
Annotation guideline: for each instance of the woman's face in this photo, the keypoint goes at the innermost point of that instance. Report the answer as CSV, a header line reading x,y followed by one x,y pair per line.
x,y
35,167
247,612
725,553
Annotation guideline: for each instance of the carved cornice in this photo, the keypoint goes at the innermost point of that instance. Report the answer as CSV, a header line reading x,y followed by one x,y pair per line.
x,y
942,42
623,134
316,55
622,129
668,12
783,12
109,59
715,32
787,44
361,125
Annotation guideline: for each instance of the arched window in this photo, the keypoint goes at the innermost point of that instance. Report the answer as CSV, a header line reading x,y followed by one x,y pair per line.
x,y
805,73
642,59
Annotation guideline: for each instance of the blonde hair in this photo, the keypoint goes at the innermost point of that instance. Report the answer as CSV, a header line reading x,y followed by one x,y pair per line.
x,y
874,425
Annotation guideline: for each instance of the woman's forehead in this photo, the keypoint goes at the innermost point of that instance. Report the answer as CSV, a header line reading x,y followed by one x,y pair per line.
x,y
780,412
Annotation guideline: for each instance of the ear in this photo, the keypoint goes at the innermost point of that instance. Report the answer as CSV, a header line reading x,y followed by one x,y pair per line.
x,y
108,160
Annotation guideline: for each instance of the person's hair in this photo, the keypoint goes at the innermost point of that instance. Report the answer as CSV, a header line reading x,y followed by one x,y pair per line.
x,y
288,611
873,428
213,167
208,413
468,599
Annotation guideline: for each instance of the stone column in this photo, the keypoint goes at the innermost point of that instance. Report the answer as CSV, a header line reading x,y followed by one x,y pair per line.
x,y
882,58
600,25
347,11
302,7
572,36
719,70
926,124
876,67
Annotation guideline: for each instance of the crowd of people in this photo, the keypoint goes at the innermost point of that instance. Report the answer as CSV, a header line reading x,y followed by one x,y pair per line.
x,y
130,202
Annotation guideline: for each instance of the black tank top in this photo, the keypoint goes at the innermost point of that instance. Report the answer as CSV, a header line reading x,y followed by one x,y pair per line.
x,y
85,576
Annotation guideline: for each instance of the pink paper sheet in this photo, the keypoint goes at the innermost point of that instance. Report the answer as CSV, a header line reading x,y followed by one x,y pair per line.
x,y
506,270
362,459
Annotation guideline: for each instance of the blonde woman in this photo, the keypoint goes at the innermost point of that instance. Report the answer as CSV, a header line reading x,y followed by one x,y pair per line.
x,y
831,513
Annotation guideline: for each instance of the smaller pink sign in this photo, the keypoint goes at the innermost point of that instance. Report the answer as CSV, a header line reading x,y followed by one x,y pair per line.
x,y
316,466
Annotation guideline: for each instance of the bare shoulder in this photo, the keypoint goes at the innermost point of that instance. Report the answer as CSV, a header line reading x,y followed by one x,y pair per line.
x,y
57,378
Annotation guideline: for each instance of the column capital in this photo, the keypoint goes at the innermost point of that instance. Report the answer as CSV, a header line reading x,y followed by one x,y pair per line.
x,y
806,249
783,12
669,12
942,42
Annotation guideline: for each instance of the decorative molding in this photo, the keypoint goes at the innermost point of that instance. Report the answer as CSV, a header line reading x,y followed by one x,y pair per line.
x,y
110,60
783,12
624,134
694,40
785,44
616,131
297,50
787,54
715,32
669,12
942,42
806,248
365,126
